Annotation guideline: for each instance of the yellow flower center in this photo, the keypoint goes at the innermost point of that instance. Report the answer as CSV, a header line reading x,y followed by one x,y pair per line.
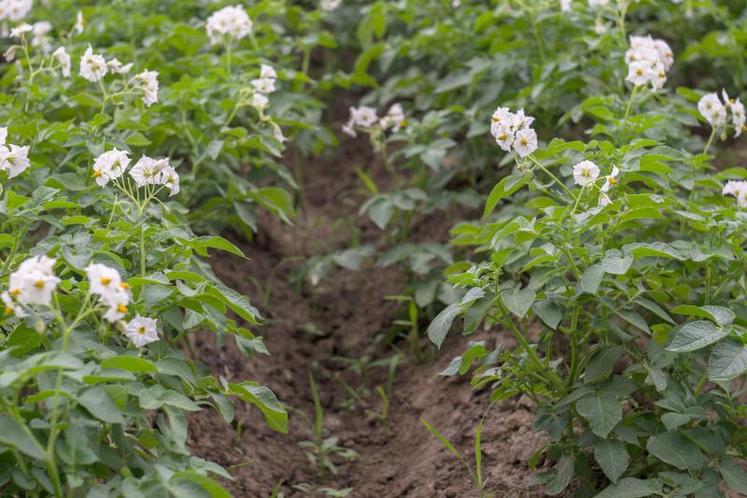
x,y
96,173
141,330
8,310
124,285
612,181
105,280
15,292
39,284
122,308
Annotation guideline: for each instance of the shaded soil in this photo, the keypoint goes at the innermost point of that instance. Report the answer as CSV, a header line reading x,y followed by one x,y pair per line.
x,y
334,330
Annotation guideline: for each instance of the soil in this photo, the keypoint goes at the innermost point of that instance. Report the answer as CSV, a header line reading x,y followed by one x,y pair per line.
x,y
334,330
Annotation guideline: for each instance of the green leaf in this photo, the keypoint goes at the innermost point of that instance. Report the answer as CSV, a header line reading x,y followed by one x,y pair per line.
x,y
634,319
100,405
616,265
734,475
631,487
718,314
671,448
549,312
601,363
237,302
728,361
216,242
504,188
561,477
439,327
518,301
442,439
696,335
212,487
602,411
13,435
612,458
591,278
130,363
276,416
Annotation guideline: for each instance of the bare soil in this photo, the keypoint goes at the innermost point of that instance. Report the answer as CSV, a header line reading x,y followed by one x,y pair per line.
x,y
331,328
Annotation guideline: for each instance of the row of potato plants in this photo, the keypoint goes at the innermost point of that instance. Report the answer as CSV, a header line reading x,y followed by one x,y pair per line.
x,y
133,132
611,247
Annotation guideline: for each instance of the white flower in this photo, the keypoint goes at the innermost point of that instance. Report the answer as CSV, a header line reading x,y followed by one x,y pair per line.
x,y
3,135
92,66
20,30
598,3
170,178
115,66
117,303
329,5
33,282
104,281
264,85
360,117
40,39
110,165
267,72
504,137
11,307
10,53
277,132
14,159
525,142
520,121
64,59
147,171
141,330
737,113
585,173
148,83
231,23
610,180
600,27
80,23
394,119
737,188
639,73
604,200
363,116
259,101
565,5
501,117
15,10
711,108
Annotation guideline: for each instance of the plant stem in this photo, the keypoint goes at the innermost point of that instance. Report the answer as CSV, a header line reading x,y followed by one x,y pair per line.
x,y
553,377
551,175
630,104
710,140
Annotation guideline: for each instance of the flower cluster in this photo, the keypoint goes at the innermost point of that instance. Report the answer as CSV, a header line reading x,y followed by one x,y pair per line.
x,y
737,188
15,10
93,67
513,130
112,164
228,24
113,292
715,112
648,61
263,86
31,284
365,118
13,159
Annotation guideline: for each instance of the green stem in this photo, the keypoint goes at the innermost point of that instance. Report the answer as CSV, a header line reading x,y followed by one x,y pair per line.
x,y
710,140
574,348
553,377
630,104
554,178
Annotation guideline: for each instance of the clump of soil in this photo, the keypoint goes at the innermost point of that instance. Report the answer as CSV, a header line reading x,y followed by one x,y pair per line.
x,y
332,330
